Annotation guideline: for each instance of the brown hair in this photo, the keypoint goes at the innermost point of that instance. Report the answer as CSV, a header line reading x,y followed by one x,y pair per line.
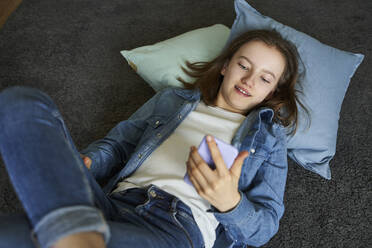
x,y
282,102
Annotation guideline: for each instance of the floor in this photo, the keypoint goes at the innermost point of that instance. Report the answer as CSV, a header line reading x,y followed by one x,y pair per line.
x,y
6,9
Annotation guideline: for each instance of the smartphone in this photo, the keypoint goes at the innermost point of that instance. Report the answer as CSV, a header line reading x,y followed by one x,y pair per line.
x,y
228,153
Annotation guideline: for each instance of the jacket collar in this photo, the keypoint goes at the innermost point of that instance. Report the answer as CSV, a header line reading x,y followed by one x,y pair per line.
x,y
265,113
194,95
189,95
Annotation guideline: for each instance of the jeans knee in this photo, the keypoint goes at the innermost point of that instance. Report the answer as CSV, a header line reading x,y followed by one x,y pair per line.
x,y
23,98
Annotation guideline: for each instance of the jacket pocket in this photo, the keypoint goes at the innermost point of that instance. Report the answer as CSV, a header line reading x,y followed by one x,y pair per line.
x,y
153,125
259,150
258,154
155,121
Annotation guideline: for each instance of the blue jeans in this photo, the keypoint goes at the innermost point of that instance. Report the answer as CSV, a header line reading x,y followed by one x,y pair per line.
x,y
61,197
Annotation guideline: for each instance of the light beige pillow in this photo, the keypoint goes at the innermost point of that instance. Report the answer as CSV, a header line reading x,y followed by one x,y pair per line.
x,y
160,64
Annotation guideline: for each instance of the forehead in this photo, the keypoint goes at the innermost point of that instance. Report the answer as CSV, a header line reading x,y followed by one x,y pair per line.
x,y
262,55
257,47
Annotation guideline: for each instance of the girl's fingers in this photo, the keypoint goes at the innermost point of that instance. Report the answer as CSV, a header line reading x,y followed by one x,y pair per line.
x,y
236,168
199,189
216,156
195,183
195,172
191,176
203,167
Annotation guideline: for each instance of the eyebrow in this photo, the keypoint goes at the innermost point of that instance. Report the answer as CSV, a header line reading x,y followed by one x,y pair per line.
x,y
267,71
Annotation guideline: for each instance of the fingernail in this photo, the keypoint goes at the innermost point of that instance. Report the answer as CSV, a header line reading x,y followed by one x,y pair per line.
x,y
209,138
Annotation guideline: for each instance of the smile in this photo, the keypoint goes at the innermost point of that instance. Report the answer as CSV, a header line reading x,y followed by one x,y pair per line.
x,y
240,90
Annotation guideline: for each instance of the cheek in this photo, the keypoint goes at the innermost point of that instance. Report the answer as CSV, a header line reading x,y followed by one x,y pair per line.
x,y
264,93
267,88
226,84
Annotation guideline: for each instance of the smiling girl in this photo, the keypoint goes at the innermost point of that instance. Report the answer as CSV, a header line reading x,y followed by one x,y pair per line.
x,y
245,97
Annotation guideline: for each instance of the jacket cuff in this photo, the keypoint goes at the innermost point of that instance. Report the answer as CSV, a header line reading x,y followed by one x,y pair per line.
x,y
93,167
242,211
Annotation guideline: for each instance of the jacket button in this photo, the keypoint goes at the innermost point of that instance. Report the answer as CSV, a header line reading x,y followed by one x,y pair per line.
x,y
180,117
157,122
153,193
253,150
158,134
140,155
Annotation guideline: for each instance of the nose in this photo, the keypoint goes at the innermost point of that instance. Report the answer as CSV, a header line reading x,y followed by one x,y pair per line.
x,y
248,80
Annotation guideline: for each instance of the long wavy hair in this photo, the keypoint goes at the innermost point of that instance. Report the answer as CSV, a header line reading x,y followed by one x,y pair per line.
x,y
282,102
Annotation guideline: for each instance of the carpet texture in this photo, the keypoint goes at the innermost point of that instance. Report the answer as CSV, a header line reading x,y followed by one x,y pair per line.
x,y
70,50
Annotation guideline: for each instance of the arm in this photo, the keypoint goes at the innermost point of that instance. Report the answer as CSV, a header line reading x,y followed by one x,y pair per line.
x,y
255,220
250,217
109,154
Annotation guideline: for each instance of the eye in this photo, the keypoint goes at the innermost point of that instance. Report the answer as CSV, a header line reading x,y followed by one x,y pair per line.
x,y
265,80
243,67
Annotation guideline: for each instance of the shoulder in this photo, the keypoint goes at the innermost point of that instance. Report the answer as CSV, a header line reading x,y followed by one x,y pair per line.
x,y
278,154
170,100
274,133
177,92
278,131
175,96
279,136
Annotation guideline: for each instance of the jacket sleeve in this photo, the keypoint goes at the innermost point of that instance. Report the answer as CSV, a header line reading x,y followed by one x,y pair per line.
x,y
112,152
255,219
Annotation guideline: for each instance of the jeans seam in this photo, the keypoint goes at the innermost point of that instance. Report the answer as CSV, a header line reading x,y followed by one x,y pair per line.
x,y
174,212
186,216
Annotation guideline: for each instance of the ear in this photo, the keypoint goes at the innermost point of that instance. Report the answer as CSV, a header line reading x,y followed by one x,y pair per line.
x,y
223,70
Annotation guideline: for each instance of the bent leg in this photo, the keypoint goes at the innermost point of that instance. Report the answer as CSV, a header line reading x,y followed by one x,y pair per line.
x,y
57,191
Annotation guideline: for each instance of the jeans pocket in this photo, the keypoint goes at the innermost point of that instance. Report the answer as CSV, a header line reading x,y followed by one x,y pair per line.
x,y
185,217
188,225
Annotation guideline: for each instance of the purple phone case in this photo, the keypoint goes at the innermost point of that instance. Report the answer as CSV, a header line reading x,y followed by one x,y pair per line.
x,y
227,151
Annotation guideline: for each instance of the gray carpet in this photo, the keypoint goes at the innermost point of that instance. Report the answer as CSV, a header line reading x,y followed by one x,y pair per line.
x,y
70,50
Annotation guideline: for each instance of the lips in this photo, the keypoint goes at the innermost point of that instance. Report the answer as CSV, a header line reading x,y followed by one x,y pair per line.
x,y
242,91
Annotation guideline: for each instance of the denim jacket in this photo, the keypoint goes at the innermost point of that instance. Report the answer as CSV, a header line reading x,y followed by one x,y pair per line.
x,y
262,182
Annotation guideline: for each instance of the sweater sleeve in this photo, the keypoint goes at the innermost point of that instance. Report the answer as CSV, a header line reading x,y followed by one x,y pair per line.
x,y
110,153
255,220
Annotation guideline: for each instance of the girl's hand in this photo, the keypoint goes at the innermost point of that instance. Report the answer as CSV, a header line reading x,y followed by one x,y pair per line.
x,y
220,186
87,161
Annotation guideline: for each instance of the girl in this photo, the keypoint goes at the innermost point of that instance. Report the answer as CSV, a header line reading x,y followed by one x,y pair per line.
x,y
127,189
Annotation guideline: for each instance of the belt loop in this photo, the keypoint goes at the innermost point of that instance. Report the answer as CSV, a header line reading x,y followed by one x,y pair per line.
x,y
149,189
174,205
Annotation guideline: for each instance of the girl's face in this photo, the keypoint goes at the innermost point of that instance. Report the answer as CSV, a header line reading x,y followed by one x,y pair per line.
x,y
250,77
